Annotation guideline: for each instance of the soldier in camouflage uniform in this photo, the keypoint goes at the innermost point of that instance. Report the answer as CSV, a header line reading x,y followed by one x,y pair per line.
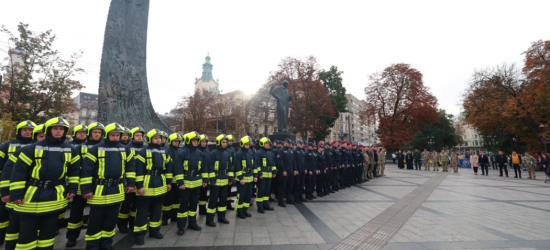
x,y
454,162
426,158
444,158
528,165
382,161
435,160
367,163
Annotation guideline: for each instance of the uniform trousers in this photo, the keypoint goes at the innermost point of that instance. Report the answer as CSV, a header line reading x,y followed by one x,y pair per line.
x,y
171,204
285,187
369,171
217,201
531,170
374,169
484,168
310,186
359,173
334,178
299,185
75,220
517,170
12,232
244,195
327,180
262,193
382,168
319,187
349,173
127,213
202,200
101,227
189,198
503,167
342,176
4,221
38,231
417,164
148,206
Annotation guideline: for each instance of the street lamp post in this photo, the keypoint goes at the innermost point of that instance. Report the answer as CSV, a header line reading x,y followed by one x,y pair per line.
x,y
341,134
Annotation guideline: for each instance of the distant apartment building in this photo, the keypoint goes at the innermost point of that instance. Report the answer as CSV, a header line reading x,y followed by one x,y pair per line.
x,y
348,126
85,110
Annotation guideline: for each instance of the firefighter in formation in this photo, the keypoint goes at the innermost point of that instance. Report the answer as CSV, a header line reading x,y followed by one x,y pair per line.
x,y
138,181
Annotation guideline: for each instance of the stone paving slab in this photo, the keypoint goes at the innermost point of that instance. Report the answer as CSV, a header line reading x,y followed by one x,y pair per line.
x,y
408,209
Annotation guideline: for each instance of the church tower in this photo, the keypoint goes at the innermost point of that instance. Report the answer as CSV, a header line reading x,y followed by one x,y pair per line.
x,y
207,81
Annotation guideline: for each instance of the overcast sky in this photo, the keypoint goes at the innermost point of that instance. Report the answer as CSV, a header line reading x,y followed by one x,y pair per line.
x,y
445,40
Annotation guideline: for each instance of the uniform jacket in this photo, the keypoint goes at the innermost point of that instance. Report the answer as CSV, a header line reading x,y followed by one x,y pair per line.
x,y
49,161
266,163
366,157
343,157
82,150
109,162
244,166
335,157
528,159
190,169
299,158
220,167
285,160
9,152
153,170
328,159
311,160
483,159
417,156
321,162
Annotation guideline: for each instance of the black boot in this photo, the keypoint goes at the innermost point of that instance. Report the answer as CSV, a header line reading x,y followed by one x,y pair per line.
x,y
193,224
229,207
122,225
222,219
70,243
241,215
302,199
202,209
210,220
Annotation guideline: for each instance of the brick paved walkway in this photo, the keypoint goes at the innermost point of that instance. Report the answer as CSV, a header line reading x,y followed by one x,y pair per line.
x,y
408,209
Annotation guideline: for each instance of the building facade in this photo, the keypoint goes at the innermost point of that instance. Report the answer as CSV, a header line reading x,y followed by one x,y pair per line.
x,y
348,126
85,110
207,81
471,140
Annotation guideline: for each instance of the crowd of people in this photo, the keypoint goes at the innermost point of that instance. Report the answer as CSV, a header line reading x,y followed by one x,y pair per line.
x,y
139,181
516,162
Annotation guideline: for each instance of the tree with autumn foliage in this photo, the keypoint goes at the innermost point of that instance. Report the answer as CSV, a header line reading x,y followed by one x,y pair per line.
x,y
515,99
40,86
196,109
399,103
310,104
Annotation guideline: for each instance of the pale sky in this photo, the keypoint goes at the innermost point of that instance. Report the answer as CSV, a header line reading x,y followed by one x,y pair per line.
x,y
445,40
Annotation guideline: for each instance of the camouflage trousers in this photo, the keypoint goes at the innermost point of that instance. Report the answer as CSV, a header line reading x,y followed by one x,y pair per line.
x,y
455,166
427,165
445,166
381,169
531,170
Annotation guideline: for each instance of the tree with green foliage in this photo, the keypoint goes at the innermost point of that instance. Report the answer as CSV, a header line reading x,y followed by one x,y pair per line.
x,y
40,85
332,80
443,132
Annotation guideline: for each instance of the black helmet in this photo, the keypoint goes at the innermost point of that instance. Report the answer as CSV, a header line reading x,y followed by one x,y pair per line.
x,y
136,130
263,141
96,125
220,138
57,122
152,133
80,128
24,124
36,130
113,127
190,136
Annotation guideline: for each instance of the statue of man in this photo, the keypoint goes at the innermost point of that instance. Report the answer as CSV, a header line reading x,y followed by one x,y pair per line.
x,y
283,99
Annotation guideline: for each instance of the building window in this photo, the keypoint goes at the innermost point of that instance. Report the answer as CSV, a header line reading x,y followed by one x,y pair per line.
x,y
82,121
92,114
83,112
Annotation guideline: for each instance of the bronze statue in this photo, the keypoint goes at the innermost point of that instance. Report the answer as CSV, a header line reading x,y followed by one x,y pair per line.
x,y
123,89
283,102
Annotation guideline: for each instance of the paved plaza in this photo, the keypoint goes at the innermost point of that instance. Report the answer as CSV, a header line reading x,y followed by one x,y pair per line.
x,y
406,210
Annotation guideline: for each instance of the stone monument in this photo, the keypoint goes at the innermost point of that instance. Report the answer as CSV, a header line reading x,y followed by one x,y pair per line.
x,y
123,89
280,93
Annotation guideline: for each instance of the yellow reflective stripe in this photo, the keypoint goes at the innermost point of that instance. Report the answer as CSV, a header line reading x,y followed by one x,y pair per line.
x,y
129,157
154,223
139,178
186,165
41,207
96,236
130,174
166,208
239,173
211,175
36,170
264,162
149,160
222,182
205,175
139,229
248,179
155,191
222,209
123,216
14,236
202,202
2,154
140,158
183,215
273,168
179,177
17,185
106,199
192,213
107,234
75,159
101,171
216,165
30,245
13,158
91,157
231,174
4,224
86,180
200,165
169,175
45,243
25,159
243,163
211,211
192,184
74,225
74,179
4,183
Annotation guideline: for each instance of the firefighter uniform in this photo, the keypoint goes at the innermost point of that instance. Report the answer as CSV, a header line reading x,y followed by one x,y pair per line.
x,y
153,174
171,202
220,174
38,187
190,174
204,190
79,203
265,160
107,166
231,152
9,152
127,213
245,172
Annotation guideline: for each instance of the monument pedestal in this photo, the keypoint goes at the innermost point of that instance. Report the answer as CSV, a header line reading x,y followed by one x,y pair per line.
x,y
282,136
